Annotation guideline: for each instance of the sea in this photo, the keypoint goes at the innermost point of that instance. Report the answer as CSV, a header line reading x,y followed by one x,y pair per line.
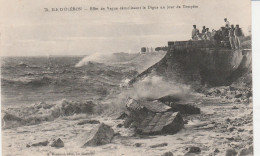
x,y
29,80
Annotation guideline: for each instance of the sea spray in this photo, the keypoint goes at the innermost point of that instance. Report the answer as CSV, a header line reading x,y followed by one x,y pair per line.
x,y
97,57
155,87
150,88
138,62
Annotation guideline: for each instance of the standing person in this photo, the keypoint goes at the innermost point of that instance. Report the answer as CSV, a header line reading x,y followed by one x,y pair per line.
x,y
231,36
227,24
238,34
194,33
217,36
208,34
213,33
203,31
223,34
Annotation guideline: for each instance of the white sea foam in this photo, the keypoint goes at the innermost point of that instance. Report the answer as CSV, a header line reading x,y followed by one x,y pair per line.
x,y
97,57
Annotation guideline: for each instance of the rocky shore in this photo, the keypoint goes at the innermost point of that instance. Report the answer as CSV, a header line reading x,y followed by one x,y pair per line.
x,y
221,125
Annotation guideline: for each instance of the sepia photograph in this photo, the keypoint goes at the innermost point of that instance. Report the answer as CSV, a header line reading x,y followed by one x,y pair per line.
x,y
126,77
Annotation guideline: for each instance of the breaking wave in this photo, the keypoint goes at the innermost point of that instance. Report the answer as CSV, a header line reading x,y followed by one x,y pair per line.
x,y
156,87
98,58
41,112
139,62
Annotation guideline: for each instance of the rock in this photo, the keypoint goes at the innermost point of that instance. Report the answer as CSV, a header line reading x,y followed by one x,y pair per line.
x,y
238,95
231,129
100,135
117,134
193,149
122,116
237,100
151,106
216,150
58,143
232,88
184,108
169,98
88,122
167,154
235,107
138,144
230,138
159,145
152,117
161,123
120,125
228,120
247,151
231,152
218,91
42,143
249,94
178,105
190,154
127,122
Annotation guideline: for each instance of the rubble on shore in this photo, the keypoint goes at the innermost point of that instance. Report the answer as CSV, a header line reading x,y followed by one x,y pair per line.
x,y
160,116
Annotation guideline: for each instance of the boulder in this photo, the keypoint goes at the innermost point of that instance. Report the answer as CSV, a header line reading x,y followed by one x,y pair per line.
x,y
193,149
249,94
179,105
41,143
235,107
216,150
238,95
99,135
152,106
120,125
167,154
138,144
58,143
122,116
159,145
185,108
152,117
161,123
88,122
169,98
231,152
247,151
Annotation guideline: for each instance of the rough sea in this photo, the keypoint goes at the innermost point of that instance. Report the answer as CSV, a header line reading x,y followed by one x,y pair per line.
x,y
28,80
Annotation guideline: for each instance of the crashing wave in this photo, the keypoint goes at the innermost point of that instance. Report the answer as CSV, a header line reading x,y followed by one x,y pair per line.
x,y
38,113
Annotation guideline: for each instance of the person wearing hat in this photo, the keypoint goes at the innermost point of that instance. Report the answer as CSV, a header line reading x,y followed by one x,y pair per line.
x,y
194,33
227,24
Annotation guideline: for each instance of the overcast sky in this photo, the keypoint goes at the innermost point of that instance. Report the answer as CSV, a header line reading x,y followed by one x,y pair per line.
x,y
27,30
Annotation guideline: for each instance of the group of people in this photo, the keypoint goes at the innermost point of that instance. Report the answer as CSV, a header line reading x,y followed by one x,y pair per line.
x,y
227,33
204,35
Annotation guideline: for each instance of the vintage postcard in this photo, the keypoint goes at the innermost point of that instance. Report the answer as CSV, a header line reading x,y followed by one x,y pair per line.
x,y
126,77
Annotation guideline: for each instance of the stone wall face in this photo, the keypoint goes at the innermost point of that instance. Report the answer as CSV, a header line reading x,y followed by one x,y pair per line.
x,y
199,62
190,45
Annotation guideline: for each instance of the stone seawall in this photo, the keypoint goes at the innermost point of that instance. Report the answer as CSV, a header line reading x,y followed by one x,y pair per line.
x,y
181,45
199,62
